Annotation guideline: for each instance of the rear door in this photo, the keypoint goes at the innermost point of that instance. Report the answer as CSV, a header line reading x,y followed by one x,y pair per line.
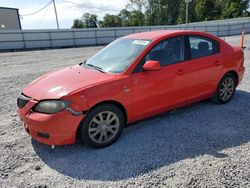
x,y
205,66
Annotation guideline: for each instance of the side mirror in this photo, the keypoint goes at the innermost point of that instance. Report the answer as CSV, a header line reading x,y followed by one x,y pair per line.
x,y
152,66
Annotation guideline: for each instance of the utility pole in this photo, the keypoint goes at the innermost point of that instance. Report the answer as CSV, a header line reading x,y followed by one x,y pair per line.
x,y
57,23
187,2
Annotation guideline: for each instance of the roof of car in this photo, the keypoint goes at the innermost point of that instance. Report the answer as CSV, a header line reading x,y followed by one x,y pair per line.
x,y
151,35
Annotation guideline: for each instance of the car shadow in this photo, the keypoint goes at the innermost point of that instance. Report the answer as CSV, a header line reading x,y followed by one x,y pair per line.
x,y
200,129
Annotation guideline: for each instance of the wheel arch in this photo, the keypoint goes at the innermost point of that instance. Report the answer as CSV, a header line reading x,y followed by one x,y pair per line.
x,y
112,102
235,74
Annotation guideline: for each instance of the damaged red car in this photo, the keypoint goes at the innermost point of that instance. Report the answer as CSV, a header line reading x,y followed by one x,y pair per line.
x,y
134,77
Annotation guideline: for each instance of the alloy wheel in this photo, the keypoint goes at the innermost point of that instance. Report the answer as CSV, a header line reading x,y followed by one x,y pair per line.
x,y
227,89
103,127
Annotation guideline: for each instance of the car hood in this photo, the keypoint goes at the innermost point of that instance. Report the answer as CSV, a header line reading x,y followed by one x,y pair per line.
x,y
57,84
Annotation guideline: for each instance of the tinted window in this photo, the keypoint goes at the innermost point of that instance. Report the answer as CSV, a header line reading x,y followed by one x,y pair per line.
x,y
168,52
202,46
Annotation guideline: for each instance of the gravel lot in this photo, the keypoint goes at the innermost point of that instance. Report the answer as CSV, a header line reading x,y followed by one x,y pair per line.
x,y
202,145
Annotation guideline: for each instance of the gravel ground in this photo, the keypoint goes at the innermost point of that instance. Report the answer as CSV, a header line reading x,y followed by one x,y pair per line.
x,y
202,145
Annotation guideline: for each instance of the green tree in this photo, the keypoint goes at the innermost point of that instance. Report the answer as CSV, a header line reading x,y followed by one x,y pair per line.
x,y
89,20
153,12
126,18
77,23
235,8
137,18
131,18
167,12
163,12
110,21
137,15
206,10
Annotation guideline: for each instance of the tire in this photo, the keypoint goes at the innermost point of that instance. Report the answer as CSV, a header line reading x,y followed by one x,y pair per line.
x,y
102,126
225,89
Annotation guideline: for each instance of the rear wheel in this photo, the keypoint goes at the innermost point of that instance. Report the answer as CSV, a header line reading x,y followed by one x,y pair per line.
x,y
225,89
102,126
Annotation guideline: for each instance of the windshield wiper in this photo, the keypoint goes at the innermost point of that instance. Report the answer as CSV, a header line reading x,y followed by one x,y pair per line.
x,y
84,62
96,67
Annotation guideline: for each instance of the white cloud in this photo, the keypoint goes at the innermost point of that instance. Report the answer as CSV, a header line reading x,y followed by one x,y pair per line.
x,y
67,12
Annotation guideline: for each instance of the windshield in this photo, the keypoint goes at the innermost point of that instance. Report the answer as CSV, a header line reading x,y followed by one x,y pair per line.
x,y
117,56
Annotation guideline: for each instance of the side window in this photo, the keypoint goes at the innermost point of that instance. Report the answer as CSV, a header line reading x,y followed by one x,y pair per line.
x,y
167,52
202,46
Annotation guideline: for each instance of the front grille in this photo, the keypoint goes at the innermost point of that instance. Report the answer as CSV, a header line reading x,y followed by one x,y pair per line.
x,y
22,100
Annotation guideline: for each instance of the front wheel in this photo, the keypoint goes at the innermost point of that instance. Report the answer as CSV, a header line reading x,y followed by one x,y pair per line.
x,y
225,89
102,126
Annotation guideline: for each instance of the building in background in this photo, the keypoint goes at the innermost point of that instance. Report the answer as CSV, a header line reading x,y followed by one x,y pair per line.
x,y
9,19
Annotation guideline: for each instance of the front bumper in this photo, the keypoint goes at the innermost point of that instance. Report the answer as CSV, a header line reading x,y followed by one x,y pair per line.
x,y
52,129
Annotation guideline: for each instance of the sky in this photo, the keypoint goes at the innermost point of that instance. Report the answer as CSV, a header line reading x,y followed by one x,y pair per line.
x,y
67,12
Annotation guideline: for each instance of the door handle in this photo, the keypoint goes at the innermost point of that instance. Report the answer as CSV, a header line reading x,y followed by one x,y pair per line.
x,y
217,63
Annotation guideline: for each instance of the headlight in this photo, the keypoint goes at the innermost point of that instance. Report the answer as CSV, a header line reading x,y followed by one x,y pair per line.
x,y
51,106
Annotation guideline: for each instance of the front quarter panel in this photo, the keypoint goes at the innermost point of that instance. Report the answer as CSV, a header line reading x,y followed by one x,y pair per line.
x,y
81,100
117,90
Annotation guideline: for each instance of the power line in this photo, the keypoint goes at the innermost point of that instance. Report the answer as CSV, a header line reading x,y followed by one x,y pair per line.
x,y
88,6
30,14
46,11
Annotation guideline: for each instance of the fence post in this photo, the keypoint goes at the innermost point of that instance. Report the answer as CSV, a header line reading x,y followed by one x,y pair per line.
x,y
95,38
218,30
24,45
74,38
50,40
115,33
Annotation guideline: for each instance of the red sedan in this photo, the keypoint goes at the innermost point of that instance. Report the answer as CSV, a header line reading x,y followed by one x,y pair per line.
x,y
132,78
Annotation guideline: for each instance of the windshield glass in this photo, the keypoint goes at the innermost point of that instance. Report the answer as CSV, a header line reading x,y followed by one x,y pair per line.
x,y
117,56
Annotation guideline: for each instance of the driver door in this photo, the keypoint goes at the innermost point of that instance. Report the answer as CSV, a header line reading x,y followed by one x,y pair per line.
x,y
158,91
